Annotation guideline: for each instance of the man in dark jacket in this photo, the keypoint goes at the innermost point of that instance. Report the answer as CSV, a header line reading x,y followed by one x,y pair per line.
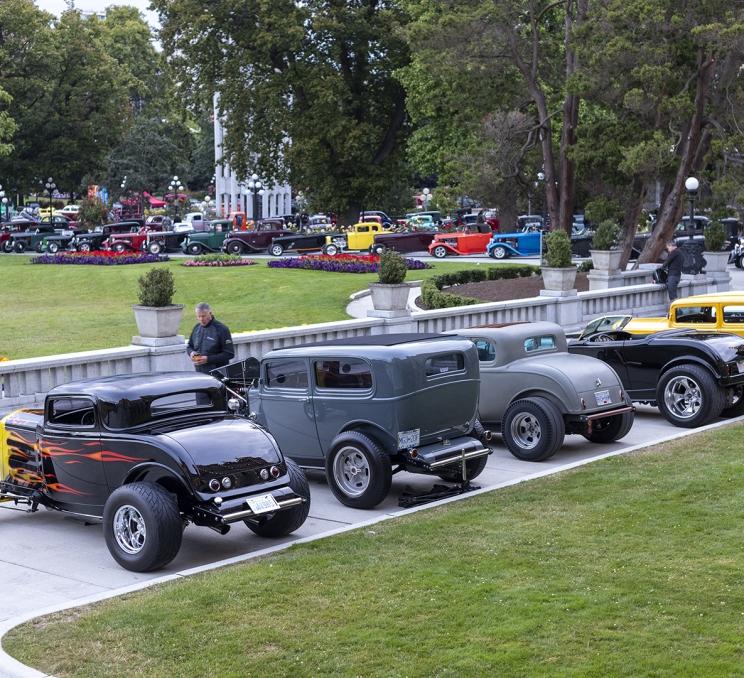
x,y
673,267
210,344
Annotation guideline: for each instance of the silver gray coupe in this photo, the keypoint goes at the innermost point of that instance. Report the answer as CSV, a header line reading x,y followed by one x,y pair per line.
x,y
534,392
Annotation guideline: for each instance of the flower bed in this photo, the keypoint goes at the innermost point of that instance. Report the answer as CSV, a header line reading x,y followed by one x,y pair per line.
x,y
99,258
341,263
218,260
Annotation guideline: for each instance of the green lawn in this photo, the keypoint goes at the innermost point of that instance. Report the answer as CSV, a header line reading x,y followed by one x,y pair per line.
x,y
59,309
631,566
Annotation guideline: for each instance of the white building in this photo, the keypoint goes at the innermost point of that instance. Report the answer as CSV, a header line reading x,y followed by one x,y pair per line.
x,y
234,195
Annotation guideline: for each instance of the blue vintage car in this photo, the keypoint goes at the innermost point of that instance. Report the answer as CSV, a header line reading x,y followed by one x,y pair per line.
x,y
504,245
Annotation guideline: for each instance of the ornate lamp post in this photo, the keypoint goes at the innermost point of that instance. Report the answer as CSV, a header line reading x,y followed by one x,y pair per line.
x,y
427,194
50,186
254,185
4,201
693,250
540,180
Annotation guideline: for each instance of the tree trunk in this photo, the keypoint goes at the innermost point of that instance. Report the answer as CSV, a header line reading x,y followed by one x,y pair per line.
x,y
674,203
630,219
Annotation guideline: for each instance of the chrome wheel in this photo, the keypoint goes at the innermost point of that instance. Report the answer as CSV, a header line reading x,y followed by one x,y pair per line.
x,y
351,471
129,529
683,397
525,430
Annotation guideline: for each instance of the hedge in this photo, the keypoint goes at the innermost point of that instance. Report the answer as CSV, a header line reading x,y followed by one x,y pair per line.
x,y
433,297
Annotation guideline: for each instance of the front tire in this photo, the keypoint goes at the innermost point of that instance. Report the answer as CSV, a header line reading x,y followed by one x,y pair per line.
x,y
85,247
194,248
282,523
19,247
142,526
610,429
359,472
119,247
439,252
689,397
499,253
736,408
378,249
739,262
154,248
331,250
52,248
8,246
533,429
235,248
276,250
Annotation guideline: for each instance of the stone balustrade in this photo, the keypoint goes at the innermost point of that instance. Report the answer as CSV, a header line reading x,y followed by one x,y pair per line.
x,y
27,380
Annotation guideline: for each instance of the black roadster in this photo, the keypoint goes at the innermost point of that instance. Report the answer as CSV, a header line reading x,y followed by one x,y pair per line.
x,y
693,377
148,454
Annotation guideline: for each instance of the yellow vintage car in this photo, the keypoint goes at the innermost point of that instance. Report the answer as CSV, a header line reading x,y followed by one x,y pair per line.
x,y
359,238
719,312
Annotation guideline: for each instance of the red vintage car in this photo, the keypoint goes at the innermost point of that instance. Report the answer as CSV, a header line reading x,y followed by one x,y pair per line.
x,y
461,242
132,241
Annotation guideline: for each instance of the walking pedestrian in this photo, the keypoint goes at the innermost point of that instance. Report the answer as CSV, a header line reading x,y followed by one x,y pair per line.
x,y
673,267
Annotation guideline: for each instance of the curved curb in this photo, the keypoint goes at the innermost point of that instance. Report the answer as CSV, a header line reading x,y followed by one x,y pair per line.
x,y
12,668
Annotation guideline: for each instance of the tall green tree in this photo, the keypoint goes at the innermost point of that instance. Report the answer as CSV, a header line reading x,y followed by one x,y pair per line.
x,y
306,90
7,124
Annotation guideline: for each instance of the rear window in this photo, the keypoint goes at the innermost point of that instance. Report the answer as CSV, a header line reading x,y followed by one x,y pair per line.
x,y
541,343
486,350
346,374
444,364
291,373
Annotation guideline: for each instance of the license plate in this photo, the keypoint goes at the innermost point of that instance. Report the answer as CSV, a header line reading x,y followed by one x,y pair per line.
x,y
409,439
602,397
262,504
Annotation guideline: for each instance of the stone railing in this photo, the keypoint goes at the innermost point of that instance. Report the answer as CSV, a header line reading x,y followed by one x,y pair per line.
x,y
27,380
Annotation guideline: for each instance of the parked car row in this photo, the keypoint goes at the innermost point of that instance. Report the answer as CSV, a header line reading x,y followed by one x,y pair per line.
x,y
148,454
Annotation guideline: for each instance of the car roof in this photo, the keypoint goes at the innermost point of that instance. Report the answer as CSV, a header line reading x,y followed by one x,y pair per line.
x,y
136,386
717,297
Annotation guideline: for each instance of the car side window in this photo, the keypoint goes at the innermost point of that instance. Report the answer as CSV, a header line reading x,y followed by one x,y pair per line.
x,y
733,314
363,229
695,314
444,364
541,343
347,373
289,373
486,350
72,411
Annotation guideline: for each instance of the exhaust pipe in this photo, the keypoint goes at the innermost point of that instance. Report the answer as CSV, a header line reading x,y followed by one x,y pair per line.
x,y
487,436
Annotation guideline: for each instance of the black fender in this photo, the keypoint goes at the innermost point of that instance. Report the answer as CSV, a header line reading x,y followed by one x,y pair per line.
x,y
153,472
689,360
373,431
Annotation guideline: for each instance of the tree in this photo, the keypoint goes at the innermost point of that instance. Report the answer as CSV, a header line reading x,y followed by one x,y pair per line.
x,y
306,90
7,124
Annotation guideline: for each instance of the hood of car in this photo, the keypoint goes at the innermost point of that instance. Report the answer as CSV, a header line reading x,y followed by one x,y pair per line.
x,y
227,445
646,325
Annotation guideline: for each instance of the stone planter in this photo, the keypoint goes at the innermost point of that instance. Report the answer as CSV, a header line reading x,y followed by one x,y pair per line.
x,y
389,297
559,279
606,260
157,323
716,262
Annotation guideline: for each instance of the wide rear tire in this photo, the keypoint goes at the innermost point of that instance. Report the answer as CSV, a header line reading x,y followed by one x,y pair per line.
x,y
610,429
359,471
19,247
142,526
154,248
688,396
533,429
119,247
282,523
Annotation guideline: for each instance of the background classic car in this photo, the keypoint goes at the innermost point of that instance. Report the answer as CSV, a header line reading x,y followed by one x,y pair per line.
x,y
415,239
361,407
255,239
461,242
147,454
211,239
718,312
505,245
534,392
359,238
693,377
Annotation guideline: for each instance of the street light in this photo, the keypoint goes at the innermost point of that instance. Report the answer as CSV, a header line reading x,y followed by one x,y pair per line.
x,y
4,201
50,186
694,261
427,194
254,185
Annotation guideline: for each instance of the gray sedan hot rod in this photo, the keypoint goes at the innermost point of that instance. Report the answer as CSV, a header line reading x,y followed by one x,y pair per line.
x,y
364,408
535,392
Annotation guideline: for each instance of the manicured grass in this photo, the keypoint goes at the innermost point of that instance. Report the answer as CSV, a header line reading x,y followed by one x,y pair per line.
x,y
59,309
630,566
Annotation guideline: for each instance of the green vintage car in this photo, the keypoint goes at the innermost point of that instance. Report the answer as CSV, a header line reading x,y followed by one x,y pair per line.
x,y
209,240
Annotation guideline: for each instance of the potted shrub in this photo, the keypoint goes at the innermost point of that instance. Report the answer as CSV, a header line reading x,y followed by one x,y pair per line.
x,y
390,293
156,314
716,258
558,273
604,253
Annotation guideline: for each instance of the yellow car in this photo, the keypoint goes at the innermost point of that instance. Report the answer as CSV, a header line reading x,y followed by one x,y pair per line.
x,y
719,312
359,238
